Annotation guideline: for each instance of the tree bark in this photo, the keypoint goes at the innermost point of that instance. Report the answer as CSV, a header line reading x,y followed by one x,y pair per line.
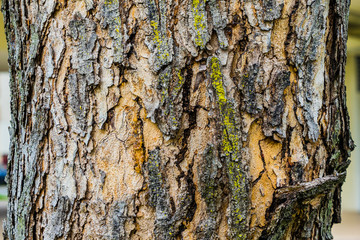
x,y
168,119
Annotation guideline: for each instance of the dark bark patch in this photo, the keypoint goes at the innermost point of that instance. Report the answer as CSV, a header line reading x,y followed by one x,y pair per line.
x,y
170,88
247,88
212,193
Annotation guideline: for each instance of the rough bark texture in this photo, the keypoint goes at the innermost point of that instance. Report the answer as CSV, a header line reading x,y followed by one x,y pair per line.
x,y
169,119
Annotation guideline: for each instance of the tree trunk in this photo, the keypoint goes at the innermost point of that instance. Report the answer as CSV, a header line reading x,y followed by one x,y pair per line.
x,y
168,119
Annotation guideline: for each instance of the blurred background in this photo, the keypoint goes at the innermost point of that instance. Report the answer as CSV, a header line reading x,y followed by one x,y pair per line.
x,y
349,229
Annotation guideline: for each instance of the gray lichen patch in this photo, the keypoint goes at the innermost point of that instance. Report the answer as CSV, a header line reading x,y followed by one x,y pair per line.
x,y
169,113
159,198
210,187
83,34
248,89
272,9
169,216
161,45
198,23
79,99
219,22
119,217
209,184
112,19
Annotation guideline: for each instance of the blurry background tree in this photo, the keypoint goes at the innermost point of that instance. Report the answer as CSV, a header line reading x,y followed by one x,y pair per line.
x,y
176,119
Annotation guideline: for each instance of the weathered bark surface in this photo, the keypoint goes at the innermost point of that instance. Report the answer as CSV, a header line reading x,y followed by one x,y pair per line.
x,y
168,119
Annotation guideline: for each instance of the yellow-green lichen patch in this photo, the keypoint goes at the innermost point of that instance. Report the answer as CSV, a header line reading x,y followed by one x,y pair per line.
x,y
198,19
180,81
161,43
161,46
230,149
